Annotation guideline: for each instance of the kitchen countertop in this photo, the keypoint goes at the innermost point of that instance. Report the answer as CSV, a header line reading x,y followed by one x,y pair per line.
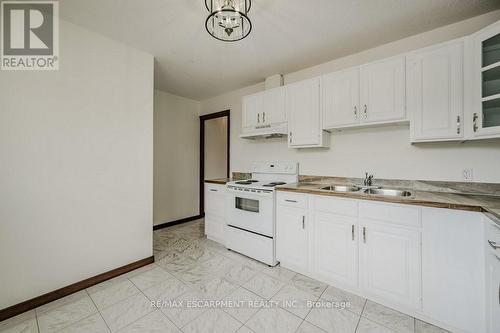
x,y
452,200
220,181
470,202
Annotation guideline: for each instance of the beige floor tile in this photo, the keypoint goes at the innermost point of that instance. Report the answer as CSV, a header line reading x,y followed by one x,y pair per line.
x,y
309,285
55,317
248,304
264,285
423,327
368,326
112,292
150,278
306,327
274,320
389,318
155,322
126,312
23,323
352,302
94,324
216,321
295,300
333,320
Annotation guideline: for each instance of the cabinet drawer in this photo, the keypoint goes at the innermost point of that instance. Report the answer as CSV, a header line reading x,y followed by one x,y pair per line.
x,y
335,205
292,200
405,215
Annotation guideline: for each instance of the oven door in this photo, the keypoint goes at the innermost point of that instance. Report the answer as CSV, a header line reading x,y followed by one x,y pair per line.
x,y
251,211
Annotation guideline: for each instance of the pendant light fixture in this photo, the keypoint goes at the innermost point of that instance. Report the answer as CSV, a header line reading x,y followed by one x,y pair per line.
x,y
228,19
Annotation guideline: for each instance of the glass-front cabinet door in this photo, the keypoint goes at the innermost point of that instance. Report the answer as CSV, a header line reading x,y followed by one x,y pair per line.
x,y
486,102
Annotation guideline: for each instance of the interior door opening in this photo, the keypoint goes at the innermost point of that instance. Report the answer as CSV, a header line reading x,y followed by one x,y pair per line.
x,y
214,149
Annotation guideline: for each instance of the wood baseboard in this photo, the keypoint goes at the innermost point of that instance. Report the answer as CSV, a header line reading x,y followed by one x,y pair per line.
x,y
33,303
184,220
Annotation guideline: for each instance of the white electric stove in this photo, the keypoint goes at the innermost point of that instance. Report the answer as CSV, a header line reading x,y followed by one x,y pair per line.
x,y
250,209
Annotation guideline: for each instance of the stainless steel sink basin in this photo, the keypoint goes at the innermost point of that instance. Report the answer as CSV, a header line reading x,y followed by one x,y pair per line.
x,y
341,188
388,192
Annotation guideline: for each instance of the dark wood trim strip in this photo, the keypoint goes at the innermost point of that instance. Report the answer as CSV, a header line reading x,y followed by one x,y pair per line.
x,y
33,303
225,113
171,223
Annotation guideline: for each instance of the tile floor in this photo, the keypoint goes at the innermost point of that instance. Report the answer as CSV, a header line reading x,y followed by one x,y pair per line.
x,y
190,272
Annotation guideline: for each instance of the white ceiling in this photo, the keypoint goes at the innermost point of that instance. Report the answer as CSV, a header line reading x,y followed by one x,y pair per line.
x,y
287,35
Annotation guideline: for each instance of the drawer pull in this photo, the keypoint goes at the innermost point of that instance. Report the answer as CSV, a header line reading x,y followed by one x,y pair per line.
x,y
213,190
288,200
493,244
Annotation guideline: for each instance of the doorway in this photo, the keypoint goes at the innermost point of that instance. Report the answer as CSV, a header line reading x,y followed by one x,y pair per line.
x,y
214,149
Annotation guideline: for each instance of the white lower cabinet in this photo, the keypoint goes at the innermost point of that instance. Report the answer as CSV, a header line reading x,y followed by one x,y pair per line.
x,y
453,268
215,223
292,233
389,263
335,249
425,262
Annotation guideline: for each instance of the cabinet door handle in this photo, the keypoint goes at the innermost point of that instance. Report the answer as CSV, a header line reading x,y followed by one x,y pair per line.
x,y
355,113
364,235
366,112
258,118
263,117
493,244
290,137
288,200
474,121
303,222
352,231
458,124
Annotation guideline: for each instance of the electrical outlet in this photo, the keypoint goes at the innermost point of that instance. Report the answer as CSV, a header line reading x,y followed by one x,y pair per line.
x,y
468,175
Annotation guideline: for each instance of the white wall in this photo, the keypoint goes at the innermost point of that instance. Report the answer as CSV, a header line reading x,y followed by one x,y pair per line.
x,y
216,148
176,157
385,151
76,166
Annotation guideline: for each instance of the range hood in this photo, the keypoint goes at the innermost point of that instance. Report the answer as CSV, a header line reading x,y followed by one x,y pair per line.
x,y
267,132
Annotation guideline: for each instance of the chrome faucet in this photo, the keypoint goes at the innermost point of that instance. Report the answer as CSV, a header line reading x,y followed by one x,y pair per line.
x,y
368,179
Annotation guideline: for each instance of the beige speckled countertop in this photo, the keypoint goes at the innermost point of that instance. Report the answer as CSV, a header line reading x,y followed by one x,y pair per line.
x,y
446,194
220,181
470,202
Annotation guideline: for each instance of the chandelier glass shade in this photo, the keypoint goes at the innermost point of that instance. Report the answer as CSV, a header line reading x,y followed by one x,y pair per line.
x,y
228,19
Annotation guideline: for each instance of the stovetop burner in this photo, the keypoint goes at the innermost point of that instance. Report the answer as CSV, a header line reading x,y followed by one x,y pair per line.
x,y
246,182
272,184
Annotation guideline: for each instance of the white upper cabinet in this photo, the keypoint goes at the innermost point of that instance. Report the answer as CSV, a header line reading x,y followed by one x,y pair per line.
x,y
340,98
264,112
382,93
435,92
274,106
485,99
252,105
304,115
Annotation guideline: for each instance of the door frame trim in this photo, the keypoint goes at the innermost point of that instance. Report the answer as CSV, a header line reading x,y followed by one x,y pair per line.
x,y
203,118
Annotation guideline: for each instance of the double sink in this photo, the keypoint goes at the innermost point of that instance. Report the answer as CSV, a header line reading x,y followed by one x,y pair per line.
x,y
381,191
